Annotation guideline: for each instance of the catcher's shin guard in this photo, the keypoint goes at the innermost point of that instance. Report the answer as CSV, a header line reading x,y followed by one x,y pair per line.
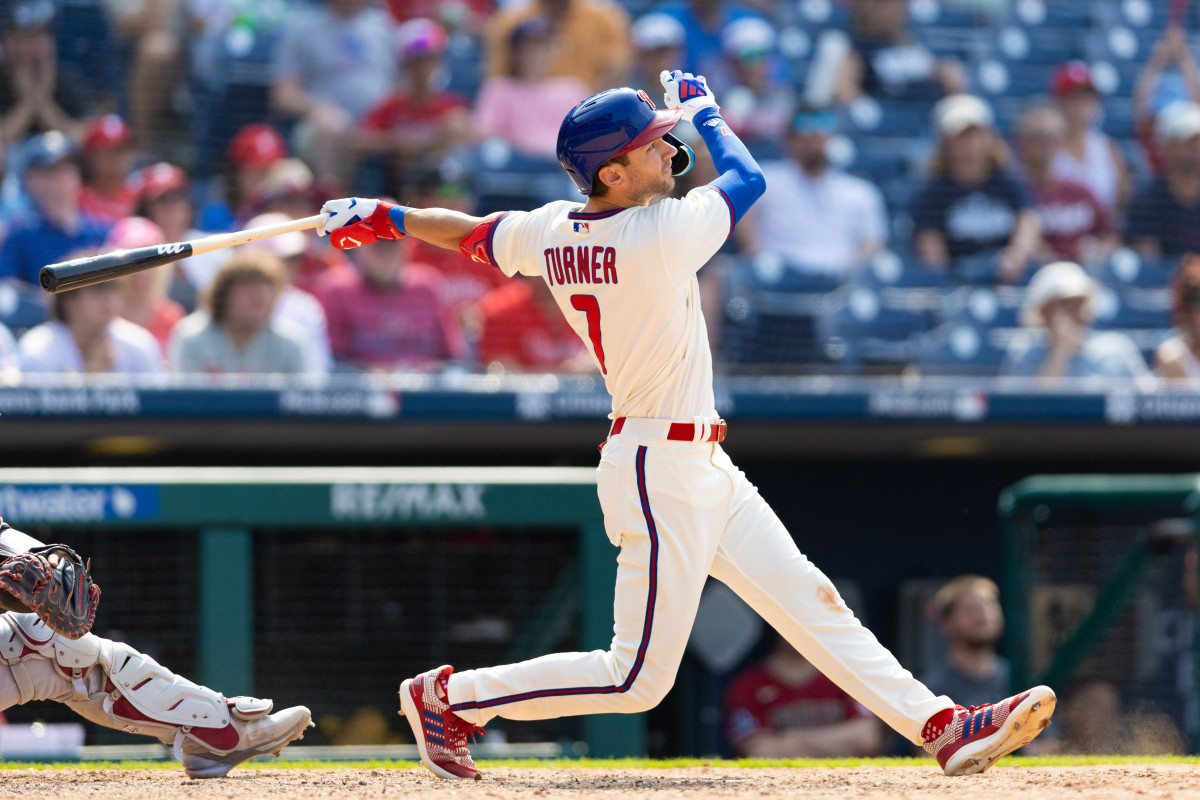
x,y
210,734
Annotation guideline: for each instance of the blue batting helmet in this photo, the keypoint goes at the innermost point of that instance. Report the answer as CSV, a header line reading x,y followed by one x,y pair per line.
x,y
610,123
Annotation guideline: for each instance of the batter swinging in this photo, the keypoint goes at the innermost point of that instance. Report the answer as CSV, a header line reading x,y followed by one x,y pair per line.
x,y
623,270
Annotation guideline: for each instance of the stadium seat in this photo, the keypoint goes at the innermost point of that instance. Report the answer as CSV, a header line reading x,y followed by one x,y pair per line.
x,y
868,329
770,311
1132,308
21,306
898,270
958,349
983,307
888,118
1126,268
505,180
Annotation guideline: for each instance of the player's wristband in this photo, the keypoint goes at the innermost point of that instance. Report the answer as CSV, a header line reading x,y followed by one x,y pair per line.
x,y
396,215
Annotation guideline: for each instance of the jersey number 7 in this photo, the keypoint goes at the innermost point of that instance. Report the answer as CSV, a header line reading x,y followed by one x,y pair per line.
x,y
588,305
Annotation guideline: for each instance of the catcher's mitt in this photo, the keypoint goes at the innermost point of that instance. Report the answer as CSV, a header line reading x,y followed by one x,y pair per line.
x,y
62,595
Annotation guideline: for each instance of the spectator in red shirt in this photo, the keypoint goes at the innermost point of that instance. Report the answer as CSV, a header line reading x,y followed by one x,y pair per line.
x,y
144,298
1075,225
524,331
379,320
783,707
107,163
420,123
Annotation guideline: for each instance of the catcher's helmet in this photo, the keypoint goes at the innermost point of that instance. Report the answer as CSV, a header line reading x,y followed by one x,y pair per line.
x,y
610,123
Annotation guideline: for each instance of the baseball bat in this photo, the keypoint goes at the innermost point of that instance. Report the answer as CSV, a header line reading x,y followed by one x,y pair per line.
x,y
81,272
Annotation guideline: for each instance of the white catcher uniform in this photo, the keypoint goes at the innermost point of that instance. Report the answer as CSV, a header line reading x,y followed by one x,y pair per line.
x,y
679,510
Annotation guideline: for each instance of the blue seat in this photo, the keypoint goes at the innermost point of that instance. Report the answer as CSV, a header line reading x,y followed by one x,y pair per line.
x,y
880,158
1129,307
984,307
503,179
899,270
872,331
958,349
21,306
889,118
770,315
1126,268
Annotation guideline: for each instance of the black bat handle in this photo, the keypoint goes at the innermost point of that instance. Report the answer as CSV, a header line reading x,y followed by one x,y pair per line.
x,y
89,271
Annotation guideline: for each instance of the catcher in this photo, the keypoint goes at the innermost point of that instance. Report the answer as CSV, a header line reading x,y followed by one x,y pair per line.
x,y
48,653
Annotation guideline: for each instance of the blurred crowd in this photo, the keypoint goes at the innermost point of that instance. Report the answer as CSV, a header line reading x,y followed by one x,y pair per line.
x,y
953,186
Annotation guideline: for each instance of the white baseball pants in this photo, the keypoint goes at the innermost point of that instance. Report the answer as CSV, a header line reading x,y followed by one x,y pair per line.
x,y
680,512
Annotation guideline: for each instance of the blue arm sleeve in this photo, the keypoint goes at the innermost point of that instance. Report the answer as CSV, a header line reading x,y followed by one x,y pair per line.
x,y
740,179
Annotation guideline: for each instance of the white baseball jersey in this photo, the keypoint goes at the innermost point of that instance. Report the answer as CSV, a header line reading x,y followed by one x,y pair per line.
x,y
626,281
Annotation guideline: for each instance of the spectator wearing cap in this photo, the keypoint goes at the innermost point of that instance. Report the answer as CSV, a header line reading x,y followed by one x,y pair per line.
x,y
1060,342
887,62
784,707
418,122
972,621
524,330
10,365
335,61
1164,216
758,108
658,41
58,224
163,198
380,320
144,300
525,105
86,335
296,308
1178,358
971,206
1088,156
253,151
287,187
817,219
107,163
1075,225
235,333
591,39
1169,74
35,94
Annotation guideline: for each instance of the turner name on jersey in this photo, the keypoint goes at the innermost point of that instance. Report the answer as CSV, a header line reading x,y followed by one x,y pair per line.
x,y
581,264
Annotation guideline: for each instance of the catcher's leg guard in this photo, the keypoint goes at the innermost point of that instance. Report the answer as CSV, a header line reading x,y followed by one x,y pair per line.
x,y
118,687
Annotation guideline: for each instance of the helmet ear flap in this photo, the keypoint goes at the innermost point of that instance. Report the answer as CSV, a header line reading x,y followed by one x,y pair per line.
x,y
682,161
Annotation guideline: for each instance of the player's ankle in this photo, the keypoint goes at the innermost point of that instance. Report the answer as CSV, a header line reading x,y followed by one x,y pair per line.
x,y
936,725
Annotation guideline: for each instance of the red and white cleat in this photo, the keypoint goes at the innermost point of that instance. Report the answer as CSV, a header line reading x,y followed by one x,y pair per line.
x,y
969,740
441,735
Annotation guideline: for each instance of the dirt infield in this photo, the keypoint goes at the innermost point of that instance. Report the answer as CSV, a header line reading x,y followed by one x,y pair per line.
x,y
866,783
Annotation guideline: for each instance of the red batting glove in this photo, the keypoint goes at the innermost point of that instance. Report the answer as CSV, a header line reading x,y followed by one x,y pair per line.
x,y
377,227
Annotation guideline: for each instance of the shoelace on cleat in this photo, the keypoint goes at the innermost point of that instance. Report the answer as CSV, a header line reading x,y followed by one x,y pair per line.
x,y
458,731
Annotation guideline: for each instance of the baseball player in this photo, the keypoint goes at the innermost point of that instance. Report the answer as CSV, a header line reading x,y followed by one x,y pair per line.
x,y
114,685
622,268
